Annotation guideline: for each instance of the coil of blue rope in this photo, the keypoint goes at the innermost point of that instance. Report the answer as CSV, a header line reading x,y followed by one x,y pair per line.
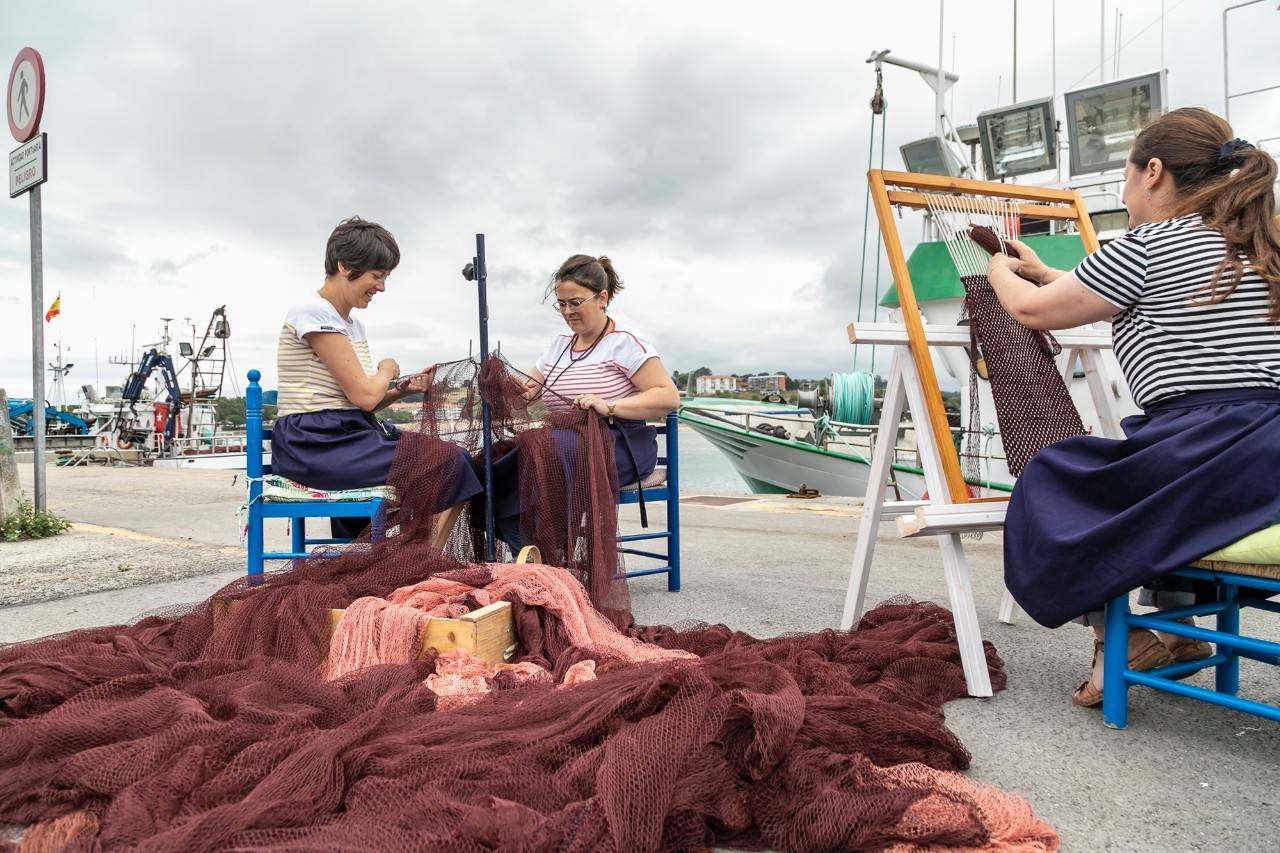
x,y
853,397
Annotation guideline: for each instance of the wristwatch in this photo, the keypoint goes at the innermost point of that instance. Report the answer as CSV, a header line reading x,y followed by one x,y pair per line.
x,y
611,405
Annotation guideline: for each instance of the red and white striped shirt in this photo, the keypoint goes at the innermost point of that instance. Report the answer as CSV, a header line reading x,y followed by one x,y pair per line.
x,y
606,371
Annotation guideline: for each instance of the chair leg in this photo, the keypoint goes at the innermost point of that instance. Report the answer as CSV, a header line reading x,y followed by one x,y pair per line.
x,y
1115,662
444,524
254,546
673,542
1227,674
297,540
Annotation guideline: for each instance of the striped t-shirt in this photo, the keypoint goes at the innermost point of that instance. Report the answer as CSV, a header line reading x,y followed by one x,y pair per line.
x,y
605,371
305,384
1168,339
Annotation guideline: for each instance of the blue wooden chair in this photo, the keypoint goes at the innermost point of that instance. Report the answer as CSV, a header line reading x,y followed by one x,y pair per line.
x,y
663,485
297,511
1237,585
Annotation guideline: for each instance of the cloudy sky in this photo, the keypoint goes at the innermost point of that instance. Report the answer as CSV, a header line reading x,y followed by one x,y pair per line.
x,y
201,153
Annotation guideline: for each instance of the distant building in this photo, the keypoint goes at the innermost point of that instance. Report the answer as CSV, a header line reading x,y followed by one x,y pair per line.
x,y
717,382
768,383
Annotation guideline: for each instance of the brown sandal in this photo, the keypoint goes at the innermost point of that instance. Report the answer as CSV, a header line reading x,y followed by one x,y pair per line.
x,y
1150,656
1185,648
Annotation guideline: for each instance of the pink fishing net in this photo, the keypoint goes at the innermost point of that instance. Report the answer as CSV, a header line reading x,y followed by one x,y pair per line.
x,y
237,724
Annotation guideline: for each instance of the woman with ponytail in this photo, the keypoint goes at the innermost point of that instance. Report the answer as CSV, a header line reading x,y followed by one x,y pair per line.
x,y
596,366
1193,291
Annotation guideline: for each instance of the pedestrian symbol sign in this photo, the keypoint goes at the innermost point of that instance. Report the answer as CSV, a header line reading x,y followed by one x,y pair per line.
x,y
25,99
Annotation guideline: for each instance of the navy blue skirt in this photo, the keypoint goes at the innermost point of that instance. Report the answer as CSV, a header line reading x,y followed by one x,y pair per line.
x,y
1091,518
351,449
635,452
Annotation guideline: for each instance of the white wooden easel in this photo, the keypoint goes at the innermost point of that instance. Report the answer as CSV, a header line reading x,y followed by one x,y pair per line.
x,y
939,516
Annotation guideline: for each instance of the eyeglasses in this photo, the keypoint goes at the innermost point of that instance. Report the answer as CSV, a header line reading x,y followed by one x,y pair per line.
x,y
562,305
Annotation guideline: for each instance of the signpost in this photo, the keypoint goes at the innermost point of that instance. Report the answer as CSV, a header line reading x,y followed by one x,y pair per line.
x,y
28,169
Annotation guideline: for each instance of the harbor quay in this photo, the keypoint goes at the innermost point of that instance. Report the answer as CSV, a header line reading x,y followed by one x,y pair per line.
x,y
1184,776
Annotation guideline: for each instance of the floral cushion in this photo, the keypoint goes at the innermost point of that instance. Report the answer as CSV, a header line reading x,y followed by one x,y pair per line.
x,y
278,489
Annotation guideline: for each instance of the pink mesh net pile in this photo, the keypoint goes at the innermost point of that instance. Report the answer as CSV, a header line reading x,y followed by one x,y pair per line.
x,y
213,726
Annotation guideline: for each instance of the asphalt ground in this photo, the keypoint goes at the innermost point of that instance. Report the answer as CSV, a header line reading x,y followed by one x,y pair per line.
x,y
1185,775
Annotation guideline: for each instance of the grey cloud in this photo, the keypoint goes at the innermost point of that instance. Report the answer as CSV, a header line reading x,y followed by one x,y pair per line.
x,y
170,267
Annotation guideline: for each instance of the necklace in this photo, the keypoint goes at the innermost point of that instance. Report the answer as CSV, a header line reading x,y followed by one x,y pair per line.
x,y
552,379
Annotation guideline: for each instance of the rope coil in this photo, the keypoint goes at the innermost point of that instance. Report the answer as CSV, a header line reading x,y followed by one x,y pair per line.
x,y
853,397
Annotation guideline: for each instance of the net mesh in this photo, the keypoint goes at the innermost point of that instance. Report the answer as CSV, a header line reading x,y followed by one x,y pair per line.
x,y
1033,405
213,726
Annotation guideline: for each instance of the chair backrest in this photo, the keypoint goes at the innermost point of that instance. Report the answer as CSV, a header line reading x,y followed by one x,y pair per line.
x,y
254,434
670,425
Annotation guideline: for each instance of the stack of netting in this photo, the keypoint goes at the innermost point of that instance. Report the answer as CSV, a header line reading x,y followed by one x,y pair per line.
x,y
215,726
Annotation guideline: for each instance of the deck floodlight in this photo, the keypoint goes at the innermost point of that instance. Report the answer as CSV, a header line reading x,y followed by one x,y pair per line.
x,y
1103,121
1019,139
184,349
929,156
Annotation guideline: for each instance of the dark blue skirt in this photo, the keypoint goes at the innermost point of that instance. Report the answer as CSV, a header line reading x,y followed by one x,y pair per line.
x,y
1091,518
635,452
351,449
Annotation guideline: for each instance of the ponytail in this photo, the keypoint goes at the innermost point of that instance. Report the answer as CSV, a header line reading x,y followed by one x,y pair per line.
x,y
1229,183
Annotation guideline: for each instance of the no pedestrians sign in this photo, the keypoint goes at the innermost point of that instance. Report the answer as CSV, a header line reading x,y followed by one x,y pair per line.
x,y
24,103
29,162
26,94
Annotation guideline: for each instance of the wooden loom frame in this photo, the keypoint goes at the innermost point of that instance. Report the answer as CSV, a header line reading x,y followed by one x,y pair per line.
x,y
913,383
1052,204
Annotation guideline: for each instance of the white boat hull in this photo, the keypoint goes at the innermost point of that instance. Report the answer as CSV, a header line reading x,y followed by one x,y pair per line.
x,y
769,465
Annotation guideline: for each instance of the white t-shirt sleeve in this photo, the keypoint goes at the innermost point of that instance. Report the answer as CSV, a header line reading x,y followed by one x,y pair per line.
x,y
1118,271
314,317
632,352
548,357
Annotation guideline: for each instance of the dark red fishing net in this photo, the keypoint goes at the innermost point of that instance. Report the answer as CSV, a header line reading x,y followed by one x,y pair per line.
x,y
1033,406
210,727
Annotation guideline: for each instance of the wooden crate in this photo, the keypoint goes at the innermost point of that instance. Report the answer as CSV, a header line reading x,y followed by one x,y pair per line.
x,y
488,633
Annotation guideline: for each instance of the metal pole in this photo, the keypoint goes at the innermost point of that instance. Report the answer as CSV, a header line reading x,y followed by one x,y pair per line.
x,y
940,105
1226,84
37,348
482,288
1102,43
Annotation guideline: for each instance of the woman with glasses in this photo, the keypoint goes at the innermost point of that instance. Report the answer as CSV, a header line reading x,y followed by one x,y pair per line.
x,y
598,366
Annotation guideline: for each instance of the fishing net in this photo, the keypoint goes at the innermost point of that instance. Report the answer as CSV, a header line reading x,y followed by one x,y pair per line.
x,y
1033,405
243,722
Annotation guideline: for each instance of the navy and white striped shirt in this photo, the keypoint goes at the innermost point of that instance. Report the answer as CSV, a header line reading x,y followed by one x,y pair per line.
x,y
1168,340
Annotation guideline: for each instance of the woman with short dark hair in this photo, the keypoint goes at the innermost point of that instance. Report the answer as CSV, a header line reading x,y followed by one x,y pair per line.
x,y
1193,290
326,435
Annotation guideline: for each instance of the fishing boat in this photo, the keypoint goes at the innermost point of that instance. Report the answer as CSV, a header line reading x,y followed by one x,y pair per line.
x,y
164,414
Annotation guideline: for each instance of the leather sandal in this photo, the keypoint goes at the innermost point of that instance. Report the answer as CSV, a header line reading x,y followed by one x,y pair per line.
x,y
1186,648
1151,655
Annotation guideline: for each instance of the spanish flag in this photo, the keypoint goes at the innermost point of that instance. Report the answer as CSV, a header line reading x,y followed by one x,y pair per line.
x,y
55,309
